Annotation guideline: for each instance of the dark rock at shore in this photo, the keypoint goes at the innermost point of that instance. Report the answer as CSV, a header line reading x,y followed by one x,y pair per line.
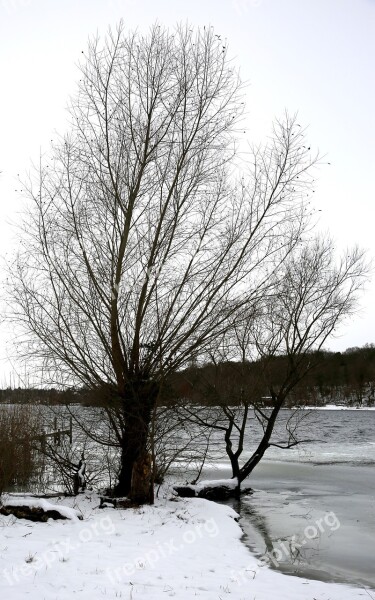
x,y
185,491
211,492
31,513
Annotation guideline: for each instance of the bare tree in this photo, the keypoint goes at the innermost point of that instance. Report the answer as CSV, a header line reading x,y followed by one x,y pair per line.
x,y
144,239
259,364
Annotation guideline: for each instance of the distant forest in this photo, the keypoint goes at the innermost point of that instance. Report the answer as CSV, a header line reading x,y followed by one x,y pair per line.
x,y
343,377
346,378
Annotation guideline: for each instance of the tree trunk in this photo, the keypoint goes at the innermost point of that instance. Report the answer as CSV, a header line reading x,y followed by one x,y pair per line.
x,y
133,443
135,477
142,485
264,444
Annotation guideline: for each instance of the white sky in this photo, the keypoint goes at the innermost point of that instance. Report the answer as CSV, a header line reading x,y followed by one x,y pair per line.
x,y
311,56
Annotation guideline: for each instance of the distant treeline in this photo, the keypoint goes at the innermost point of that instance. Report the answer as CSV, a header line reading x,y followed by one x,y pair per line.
x,y
347,376
333,377
44,396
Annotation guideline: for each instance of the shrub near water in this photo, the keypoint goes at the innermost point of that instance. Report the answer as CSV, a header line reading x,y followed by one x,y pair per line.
x,y
17,428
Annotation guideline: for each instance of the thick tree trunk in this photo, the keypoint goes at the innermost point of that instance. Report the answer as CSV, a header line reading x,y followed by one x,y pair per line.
x,y
135,477
133,444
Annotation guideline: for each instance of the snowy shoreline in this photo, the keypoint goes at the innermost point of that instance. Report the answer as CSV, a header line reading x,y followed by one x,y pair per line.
x,y
338,407
181,548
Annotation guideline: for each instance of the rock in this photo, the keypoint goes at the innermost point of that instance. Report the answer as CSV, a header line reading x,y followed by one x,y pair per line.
x,y
107,501
36,509
218,493
185,491
214,490
31,513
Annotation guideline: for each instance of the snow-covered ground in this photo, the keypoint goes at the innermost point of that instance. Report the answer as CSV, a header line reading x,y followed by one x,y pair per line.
x,y
180,548
338,407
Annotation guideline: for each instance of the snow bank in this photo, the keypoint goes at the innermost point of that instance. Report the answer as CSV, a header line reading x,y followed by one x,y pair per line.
x,y
183,549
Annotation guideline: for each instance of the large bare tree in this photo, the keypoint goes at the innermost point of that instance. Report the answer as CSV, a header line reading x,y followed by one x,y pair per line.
x,y
146,232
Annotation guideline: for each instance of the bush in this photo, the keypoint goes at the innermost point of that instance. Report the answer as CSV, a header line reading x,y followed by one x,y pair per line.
x,y
17,429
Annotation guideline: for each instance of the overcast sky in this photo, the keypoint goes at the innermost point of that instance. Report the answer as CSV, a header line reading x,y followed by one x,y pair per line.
x,y
312,56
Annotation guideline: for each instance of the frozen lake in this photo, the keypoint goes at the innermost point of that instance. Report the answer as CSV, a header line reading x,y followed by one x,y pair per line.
x,y
286,510
312,512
